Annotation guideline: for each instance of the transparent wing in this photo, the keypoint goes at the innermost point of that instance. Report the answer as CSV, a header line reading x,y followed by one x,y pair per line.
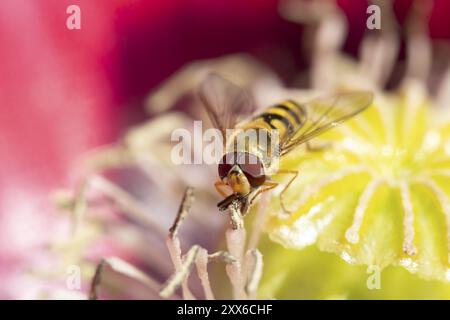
x,y
325,113
224,101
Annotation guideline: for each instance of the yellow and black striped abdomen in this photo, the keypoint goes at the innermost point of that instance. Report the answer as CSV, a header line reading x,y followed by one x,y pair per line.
x,y
286,117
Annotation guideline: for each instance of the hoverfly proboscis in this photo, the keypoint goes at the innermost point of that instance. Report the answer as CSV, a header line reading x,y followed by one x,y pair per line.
x,y
245,172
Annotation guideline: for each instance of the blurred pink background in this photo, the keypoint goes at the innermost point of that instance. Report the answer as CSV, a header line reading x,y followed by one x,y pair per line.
x,y
64,91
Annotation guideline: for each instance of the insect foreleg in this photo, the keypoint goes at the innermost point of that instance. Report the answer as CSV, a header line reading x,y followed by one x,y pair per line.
x,y
268,185
220,185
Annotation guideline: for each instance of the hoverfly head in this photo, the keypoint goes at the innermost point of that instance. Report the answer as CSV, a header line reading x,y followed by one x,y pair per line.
x,y
242,171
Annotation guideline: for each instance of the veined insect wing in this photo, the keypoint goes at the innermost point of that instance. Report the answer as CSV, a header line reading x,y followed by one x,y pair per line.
x,y
327,112
224,101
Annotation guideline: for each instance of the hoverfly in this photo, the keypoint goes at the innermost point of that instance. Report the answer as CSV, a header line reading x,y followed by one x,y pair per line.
x,y
245,172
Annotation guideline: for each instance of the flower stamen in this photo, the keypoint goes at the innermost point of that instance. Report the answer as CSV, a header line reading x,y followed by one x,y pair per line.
x,y
352,233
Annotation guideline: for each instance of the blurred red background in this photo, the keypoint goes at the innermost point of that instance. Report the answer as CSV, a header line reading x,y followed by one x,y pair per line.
x,y
64,91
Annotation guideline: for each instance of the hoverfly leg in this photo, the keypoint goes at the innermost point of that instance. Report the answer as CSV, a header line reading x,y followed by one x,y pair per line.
x,y
220,186
283,171
317,148
267,185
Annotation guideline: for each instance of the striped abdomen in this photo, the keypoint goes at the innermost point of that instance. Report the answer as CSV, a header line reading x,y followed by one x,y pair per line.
x,y
286,117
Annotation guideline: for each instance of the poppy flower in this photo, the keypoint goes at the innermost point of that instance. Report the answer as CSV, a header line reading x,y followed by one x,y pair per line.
x,y
64,92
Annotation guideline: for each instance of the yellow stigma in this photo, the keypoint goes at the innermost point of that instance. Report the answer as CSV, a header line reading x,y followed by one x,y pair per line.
x,y
380,195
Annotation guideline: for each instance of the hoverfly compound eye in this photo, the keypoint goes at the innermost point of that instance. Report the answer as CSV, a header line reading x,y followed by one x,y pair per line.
x,y
253,168
223,169
225,165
